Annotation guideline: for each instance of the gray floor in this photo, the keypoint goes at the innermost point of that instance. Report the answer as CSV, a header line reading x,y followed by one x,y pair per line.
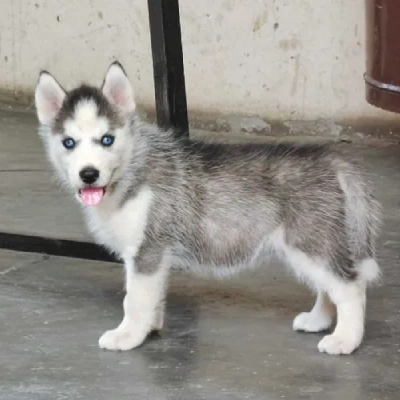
x,y
223,340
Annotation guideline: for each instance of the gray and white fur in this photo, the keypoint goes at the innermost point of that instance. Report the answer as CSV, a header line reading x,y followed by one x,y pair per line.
x,y
211,208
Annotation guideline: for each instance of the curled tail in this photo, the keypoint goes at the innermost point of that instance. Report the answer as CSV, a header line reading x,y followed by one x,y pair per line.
x,y
362,213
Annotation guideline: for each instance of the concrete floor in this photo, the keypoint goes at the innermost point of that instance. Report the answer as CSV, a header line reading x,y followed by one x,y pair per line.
x,y
223,340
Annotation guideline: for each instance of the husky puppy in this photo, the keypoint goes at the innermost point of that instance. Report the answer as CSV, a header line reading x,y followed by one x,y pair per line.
x,y
158,201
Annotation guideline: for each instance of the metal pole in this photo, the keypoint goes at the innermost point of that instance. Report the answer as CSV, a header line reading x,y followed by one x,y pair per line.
x,y
169,77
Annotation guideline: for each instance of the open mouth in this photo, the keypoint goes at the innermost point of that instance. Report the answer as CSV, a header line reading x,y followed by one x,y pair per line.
x,y
92,196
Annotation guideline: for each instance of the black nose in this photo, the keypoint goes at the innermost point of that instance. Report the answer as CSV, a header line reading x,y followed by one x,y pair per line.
x,y
89,175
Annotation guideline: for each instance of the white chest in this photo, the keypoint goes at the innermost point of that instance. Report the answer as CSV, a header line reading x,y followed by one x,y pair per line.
x,y
121,229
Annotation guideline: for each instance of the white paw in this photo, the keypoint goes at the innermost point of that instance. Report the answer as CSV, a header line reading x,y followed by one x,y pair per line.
x,y
311,322
337,344
122,339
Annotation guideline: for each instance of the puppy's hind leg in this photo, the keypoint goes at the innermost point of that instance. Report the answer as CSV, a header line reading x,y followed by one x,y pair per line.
x,y
320,318
350,298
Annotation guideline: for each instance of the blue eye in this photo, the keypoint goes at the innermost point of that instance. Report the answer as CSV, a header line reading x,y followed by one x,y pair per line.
x,y
107,140
68,143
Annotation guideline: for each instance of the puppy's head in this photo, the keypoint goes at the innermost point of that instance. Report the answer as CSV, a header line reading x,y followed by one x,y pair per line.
x,y
86,131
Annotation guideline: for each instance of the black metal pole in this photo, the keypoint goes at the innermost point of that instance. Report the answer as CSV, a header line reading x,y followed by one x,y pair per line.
x,y
169,77
54,247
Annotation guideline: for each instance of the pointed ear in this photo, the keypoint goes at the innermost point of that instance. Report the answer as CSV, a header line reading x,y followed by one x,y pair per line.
x,y
117,88
49,97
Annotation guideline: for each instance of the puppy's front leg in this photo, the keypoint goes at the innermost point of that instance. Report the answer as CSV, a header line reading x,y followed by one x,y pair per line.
x,y
146,277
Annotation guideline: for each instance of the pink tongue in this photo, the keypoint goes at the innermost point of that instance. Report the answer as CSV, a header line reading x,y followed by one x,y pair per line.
x,y
91,196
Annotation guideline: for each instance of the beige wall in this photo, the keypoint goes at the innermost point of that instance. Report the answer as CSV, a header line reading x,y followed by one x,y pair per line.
x,y
279,59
